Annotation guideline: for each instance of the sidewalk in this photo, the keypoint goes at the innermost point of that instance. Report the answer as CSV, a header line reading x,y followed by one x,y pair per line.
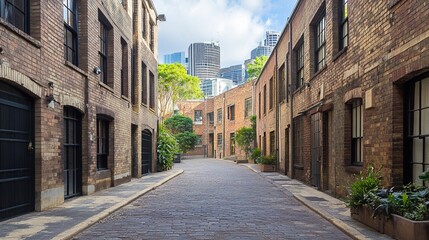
x,y
330,208
73,216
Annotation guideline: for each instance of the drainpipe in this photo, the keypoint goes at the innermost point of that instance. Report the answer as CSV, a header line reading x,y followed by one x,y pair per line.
x,y
291,162
278,154
225,115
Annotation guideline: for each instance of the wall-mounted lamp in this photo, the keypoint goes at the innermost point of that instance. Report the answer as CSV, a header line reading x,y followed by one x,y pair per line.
x,y
50,96
97,70
161,18
307,84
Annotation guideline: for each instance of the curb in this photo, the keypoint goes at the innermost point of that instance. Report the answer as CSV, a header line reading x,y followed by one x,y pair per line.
x,y
70,233
351,232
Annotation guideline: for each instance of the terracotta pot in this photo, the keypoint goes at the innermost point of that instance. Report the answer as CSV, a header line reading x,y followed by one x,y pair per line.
x,y
267,168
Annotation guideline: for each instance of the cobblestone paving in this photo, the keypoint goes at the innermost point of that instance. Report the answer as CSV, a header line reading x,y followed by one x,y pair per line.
x,y
214,199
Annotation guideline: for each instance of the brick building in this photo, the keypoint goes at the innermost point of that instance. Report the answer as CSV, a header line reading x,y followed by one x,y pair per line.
x,y
351,90
217,119
77,99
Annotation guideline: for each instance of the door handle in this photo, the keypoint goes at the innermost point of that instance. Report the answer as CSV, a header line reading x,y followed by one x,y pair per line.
x,y
30,146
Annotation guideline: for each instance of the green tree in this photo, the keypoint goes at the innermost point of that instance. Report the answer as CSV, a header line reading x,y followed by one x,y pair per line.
x,y
186,141
179,123
167,149
253,125
174,84
244,137
255,68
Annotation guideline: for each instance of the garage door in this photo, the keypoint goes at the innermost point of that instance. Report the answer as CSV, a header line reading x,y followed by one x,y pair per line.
x,y
16,152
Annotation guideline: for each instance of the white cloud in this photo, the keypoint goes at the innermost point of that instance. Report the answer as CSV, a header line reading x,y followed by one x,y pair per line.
x,y
237,25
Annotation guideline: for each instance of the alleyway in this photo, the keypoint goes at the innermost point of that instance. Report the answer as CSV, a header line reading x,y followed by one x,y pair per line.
x,y
214,199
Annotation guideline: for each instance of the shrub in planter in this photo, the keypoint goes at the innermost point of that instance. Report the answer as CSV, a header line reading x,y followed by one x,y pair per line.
x,y
267,163
166,149
256,153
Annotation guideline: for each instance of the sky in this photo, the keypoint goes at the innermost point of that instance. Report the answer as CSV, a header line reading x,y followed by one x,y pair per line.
x,y
238,25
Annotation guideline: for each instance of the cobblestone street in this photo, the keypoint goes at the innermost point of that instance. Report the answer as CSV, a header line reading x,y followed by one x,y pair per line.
x,y
214,199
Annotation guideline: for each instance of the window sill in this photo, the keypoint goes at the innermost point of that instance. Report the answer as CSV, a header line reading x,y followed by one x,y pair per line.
x,y
318,72
355,169
105,86
198,123
298,89
340,53
21,33
125,98
76,68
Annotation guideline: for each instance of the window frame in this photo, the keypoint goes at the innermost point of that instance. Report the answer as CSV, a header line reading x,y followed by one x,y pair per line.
x,y
298,141
231,112
357,131
103,37
265,99
219,115
200,116
144,92
282,83
151,90
247,107
103,136
271,94
210,117
73,31
320,42
219,139
25,14
232,143
124,68
299,54
343,24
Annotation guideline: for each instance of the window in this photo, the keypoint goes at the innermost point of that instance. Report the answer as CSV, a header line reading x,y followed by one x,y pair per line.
x,y
210,117
199,140
343,24
144,84
264,144
219,139
102,143
357,132
259,105
151,90
232,143
102,52
198,116
320,43
16,13
298,141
272,143
70,31
417,137
143,21
282,83
265,99
124,68
152,37
231,112
299,66
271,96
219,115
247,107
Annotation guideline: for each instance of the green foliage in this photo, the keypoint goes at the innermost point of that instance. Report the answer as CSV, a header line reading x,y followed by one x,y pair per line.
x,y
363,190
267,160
425,176
179,123
255,68
244,137
186,141
175,84
253,126
256,153
166,149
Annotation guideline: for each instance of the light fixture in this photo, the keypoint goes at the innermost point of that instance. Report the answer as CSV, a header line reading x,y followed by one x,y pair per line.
x,y
97,70
50,96
161,18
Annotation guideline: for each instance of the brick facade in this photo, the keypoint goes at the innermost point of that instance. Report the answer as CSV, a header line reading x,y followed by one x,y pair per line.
x,y
387,50
33,62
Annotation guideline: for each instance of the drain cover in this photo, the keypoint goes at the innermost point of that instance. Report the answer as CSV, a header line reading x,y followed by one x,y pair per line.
x,y
315,199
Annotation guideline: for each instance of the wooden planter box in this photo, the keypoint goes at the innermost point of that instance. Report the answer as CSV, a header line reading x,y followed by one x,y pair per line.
x,y
267,168
396,226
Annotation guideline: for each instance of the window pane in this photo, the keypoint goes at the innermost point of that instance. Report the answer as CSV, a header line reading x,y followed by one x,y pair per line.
x,y
416,125
417,170
354,123
425,93
426,139
417,150
416,102
425,121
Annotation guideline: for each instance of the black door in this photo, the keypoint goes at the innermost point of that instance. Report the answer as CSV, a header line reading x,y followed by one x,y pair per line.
x,y
146,152
16,152
72,153
316,148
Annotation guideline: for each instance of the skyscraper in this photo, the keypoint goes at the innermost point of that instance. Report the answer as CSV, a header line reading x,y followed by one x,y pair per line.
x,y
204,60
236,73
270,41
177,57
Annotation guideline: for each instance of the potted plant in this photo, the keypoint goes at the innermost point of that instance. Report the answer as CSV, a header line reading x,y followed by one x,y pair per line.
x,y
267,163
256,153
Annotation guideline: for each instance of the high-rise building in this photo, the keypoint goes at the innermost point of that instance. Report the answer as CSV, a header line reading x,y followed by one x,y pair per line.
x,y
214,86
270,41
177,57
204,60
236,73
